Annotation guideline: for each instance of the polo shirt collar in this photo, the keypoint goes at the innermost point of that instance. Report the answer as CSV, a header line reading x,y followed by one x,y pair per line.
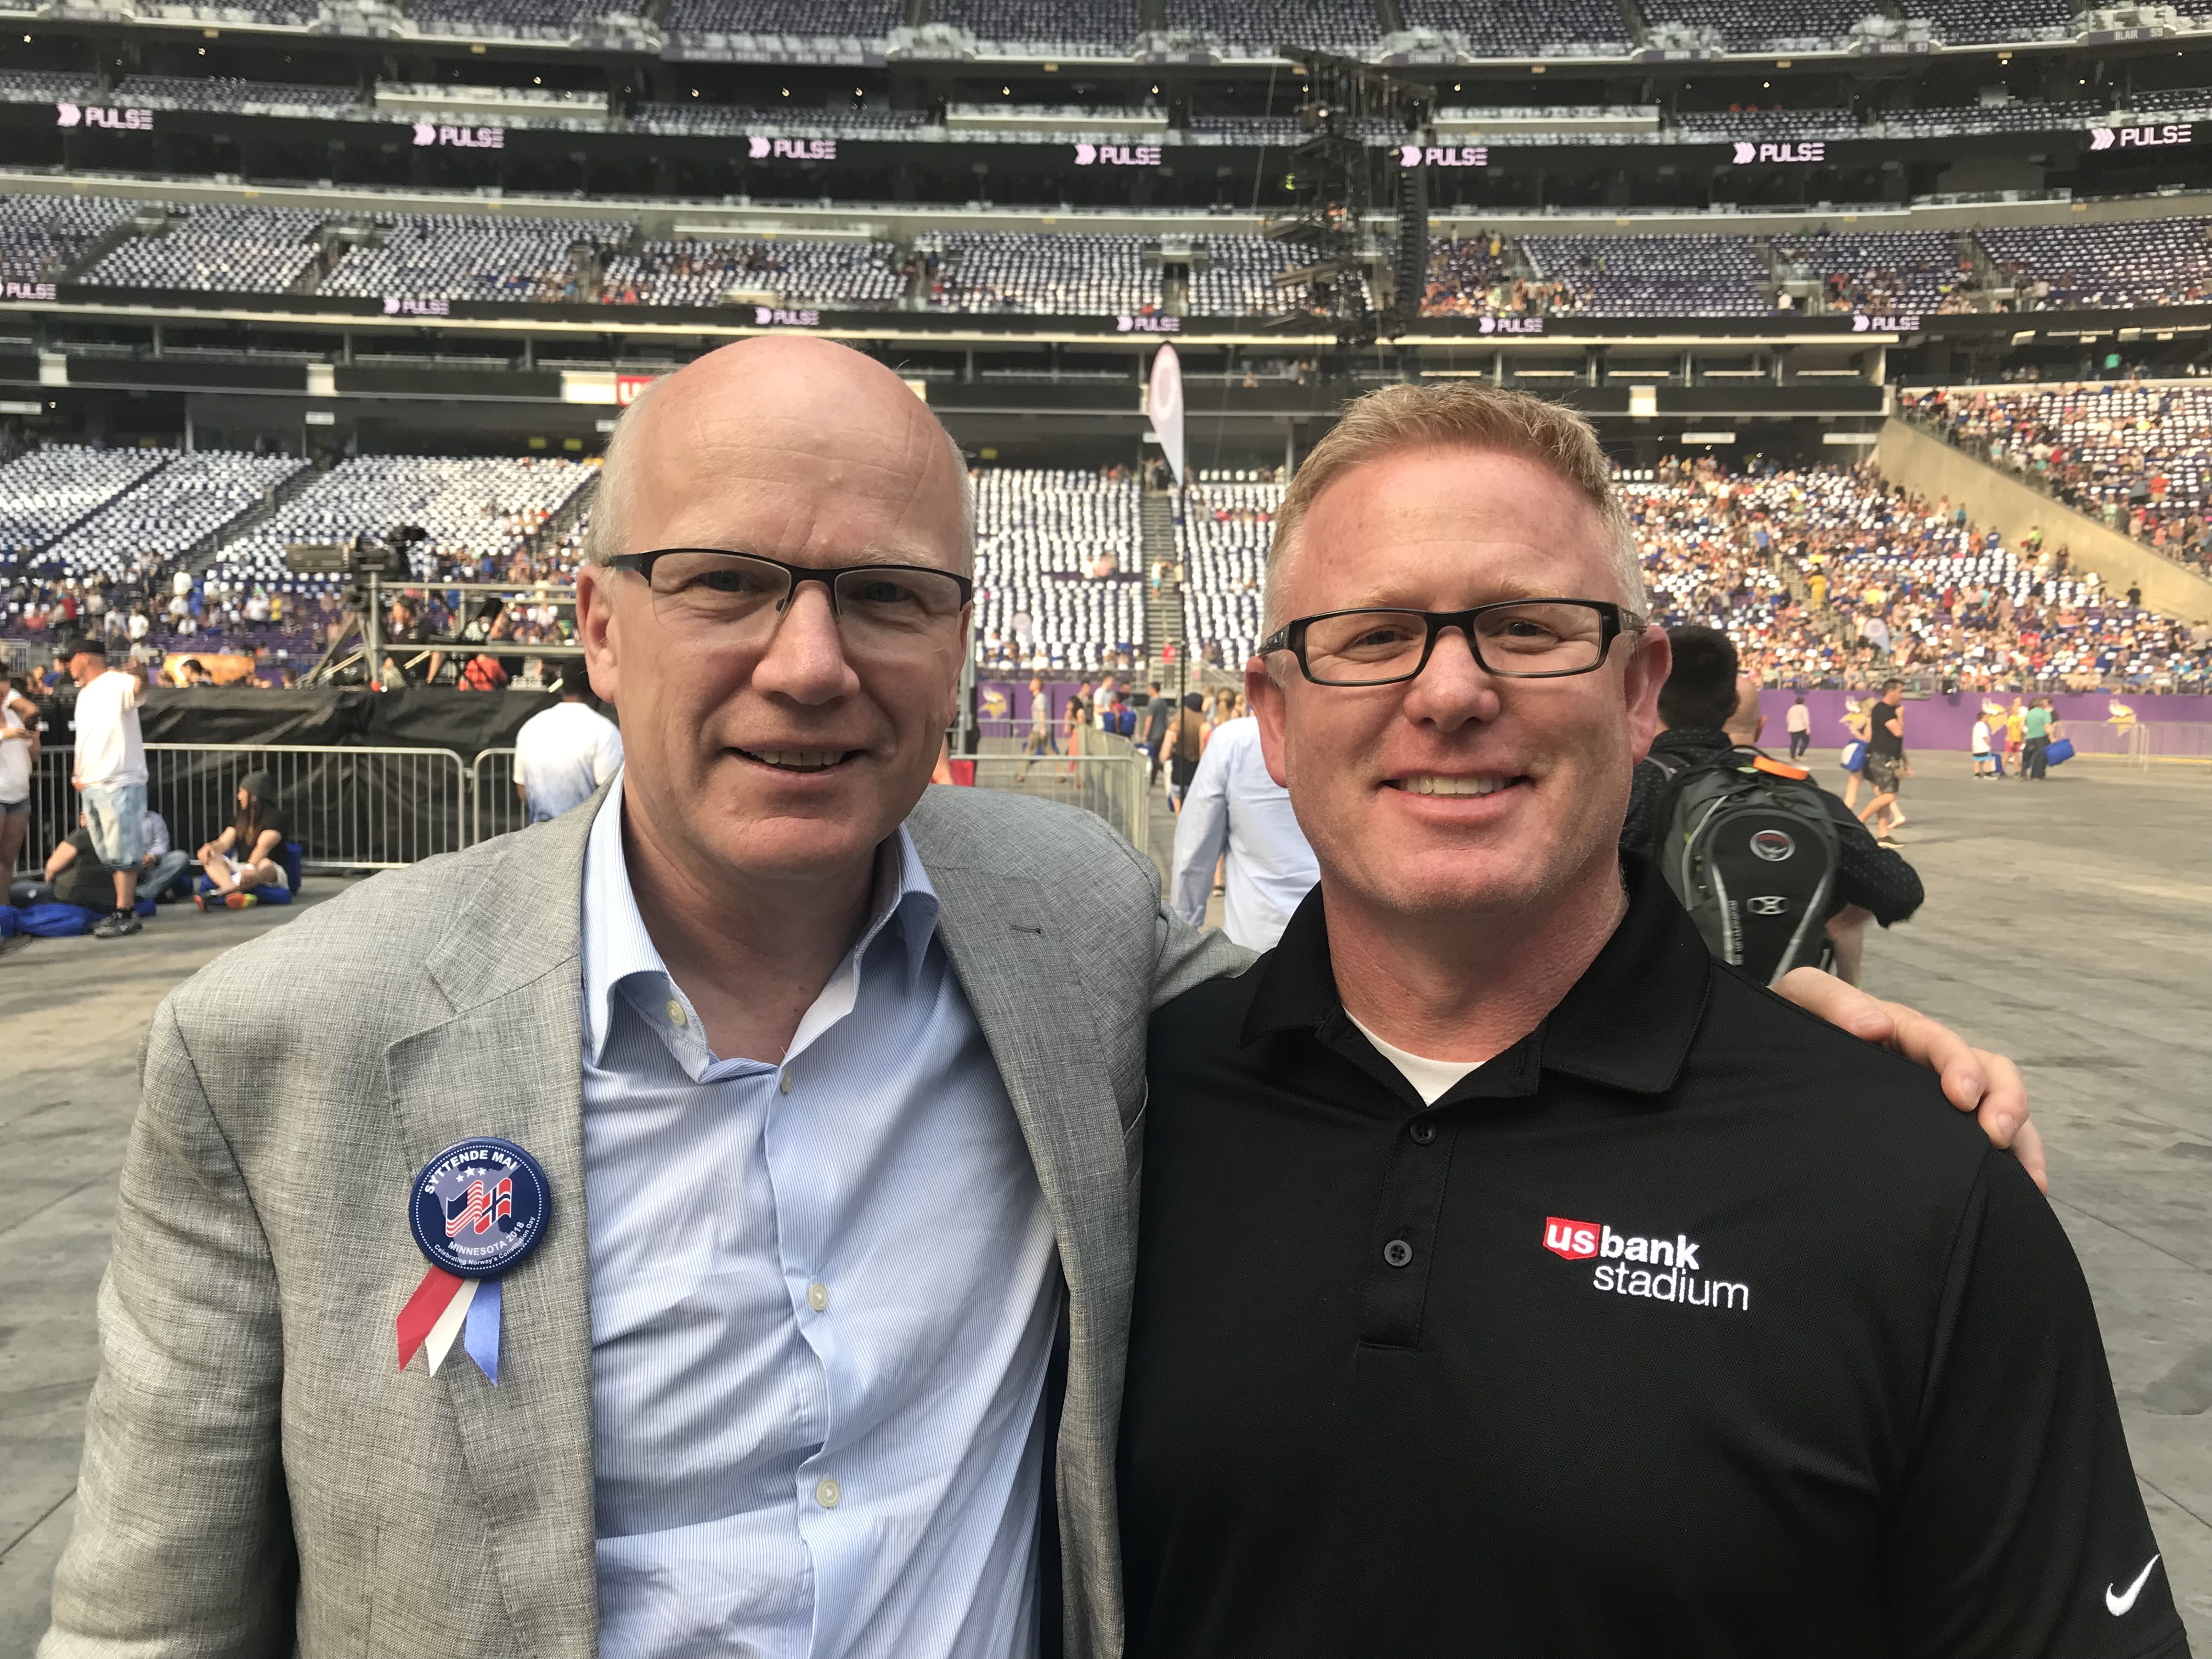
x,y
1626,1024
616,946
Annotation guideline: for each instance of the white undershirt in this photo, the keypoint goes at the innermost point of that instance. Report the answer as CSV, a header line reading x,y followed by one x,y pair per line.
x,y
1431,1078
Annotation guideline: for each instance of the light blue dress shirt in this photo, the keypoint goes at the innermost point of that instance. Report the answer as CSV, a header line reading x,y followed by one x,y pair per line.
x,y
823,1296
1233,807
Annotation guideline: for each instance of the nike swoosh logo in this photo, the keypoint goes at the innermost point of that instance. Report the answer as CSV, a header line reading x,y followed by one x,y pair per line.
x,y
2117,1603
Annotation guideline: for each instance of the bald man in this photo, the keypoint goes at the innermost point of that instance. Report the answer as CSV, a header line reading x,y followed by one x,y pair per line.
x,y
702,1224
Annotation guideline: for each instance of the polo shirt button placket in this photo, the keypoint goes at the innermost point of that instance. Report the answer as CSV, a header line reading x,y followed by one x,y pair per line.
x,y
1423,1131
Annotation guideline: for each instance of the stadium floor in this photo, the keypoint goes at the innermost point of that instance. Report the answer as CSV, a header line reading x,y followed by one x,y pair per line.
x,y
2068,924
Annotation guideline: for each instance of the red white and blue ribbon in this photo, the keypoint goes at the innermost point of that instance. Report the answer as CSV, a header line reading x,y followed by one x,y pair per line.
x,y
444,1307
476,1210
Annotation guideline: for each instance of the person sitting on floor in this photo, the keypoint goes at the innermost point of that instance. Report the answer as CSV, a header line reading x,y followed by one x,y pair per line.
x,y
245,855
75,874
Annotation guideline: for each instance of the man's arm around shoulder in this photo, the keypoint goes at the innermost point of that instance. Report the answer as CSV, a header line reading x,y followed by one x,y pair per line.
x,y
182,1545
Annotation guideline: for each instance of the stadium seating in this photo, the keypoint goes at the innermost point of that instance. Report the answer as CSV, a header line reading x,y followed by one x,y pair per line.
x,y
41,236
2018,116
1228,520
1040,538
145,529
2138,457
2135,263
1081,27
1526,28
1891,271
1053,275
218,249
48,491
527,20
842,276
1790,24
451,257
718,120
476,510
1254,28
1653,276
1972,22
1768,126
708,21
214,93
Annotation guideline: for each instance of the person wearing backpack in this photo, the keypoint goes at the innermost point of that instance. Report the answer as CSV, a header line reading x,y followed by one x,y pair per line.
x,y
1777,872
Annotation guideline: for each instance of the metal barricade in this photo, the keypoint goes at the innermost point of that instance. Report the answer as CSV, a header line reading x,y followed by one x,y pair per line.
x,y
348,808
494,807
1110,779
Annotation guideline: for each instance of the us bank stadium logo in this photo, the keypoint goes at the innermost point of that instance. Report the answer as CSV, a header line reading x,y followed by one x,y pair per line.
x,y
1654,1269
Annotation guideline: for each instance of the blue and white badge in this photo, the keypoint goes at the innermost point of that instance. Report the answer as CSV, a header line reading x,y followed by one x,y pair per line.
x,y
480,1206
477,1209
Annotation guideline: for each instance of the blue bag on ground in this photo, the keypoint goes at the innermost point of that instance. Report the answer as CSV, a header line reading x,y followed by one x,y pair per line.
x,y
56,920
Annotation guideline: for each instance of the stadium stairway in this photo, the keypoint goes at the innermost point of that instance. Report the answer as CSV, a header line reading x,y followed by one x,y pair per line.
x,y
1996,499
1164,604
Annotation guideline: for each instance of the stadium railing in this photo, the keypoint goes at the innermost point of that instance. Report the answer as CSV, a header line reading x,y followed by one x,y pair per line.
x,y
351,809
359,810
1109,778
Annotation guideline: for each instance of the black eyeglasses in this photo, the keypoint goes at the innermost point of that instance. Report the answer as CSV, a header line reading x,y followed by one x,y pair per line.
x,y
1517,639
887,608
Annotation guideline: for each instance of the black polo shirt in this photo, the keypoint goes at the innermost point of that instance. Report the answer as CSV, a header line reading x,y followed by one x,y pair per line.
x,y
1688,1325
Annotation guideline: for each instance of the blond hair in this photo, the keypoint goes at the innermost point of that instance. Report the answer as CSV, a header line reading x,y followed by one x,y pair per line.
x,y
1462,415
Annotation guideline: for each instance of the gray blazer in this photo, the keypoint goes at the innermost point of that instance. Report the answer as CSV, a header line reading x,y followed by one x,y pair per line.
x,y
258,1474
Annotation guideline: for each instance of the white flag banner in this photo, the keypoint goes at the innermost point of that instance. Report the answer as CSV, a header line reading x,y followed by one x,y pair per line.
x,y
1165,405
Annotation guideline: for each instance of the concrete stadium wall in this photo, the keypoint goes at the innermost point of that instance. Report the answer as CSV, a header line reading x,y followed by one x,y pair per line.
x,y
1908,456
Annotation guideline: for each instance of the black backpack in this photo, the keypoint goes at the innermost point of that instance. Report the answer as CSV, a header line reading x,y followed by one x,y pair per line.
x,y
1748,846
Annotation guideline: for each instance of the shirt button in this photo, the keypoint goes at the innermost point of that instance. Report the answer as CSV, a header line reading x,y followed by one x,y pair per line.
x,y
1397,1253
676,1015
783,1083
1423,1131
827,1493
818,1297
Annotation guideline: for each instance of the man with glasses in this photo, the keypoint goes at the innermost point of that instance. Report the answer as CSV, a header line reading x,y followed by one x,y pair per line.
x,y
837,1086
1513,1279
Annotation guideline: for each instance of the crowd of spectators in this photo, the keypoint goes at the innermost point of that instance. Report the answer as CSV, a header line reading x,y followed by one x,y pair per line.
x,y
1825,576
2125,263
2139,457
1922,272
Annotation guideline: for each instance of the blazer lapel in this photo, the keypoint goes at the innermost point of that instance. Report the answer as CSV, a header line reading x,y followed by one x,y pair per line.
x,y
509,1064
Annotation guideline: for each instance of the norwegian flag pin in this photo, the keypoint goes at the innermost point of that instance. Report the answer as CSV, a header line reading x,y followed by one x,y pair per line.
x,y
477,1209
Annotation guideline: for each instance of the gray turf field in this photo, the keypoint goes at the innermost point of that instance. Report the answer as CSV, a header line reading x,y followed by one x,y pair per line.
x,y
2068,924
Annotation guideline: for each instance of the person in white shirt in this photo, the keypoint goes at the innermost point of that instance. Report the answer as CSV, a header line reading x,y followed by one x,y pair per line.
x,y
109,770
1799,724
1232,806
1981,747
18,755
563,753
